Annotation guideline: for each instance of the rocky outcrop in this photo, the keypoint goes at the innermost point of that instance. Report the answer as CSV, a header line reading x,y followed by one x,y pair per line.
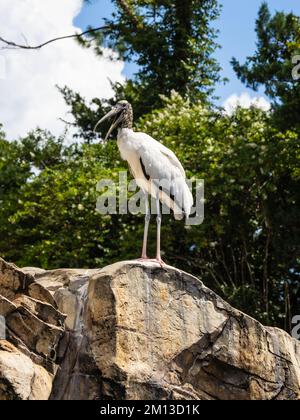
x,y
78,377
33,330
137,331
160,333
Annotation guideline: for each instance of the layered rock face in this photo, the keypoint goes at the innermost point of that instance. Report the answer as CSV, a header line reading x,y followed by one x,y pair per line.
x,y
33,328
136,331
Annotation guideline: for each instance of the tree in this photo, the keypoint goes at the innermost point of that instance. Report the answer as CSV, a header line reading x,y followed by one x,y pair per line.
x,y
48,197
171,41
271,66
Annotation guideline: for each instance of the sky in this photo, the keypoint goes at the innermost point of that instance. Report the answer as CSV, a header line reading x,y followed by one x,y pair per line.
x,y
28,80
236,27
238,38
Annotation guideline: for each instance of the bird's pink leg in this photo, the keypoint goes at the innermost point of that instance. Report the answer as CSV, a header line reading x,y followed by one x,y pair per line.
x,y
146,229
158,241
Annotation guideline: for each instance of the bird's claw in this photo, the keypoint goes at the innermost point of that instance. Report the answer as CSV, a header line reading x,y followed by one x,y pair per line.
x,y
145,258
156,260
160,262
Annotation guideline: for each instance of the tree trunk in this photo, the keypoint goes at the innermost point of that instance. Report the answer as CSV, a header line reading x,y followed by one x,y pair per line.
x,y
183,31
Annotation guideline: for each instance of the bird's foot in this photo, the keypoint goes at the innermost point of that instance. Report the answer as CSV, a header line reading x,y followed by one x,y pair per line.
x,y
160,262
144,258
155,260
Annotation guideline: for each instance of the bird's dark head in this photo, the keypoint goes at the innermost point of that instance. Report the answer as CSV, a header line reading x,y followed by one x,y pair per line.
x,y
123,117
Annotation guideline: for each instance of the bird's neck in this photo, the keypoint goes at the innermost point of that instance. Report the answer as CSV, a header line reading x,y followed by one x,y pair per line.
x,y
128,119
124,132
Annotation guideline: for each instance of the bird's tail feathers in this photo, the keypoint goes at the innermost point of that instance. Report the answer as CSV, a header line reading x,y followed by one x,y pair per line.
x,y
180,200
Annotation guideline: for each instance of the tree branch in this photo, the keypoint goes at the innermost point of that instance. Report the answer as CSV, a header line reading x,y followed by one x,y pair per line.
x,y
14,45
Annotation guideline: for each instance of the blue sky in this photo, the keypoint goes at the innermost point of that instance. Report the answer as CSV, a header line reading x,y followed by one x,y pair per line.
x,y
236,25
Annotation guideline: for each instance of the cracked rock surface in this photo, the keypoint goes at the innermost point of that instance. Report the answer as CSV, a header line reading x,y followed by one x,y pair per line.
x,y
31,329
136,331
160,333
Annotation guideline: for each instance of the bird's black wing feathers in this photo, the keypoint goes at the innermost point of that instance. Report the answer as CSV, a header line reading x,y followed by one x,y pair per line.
x,y
160,187
144,170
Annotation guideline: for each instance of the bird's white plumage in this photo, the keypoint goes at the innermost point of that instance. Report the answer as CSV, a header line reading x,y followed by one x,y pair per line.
x,y
163,169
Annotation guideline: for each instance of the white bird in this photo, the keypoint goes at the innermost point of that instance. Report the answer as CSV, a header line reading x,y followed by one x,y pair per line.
x,y
156,169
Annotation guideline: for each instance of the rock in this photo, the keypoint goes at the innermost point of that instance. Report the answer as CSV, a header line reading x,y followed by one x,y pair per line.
x,y
78,376
6,306
38,336
33,329
42,310
64,286
160,333
14,282
20,378
139,331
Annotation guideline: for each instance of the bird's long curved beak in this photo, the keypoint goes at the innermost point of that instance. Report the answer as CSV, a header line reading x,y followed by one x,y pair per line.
x,y
109,115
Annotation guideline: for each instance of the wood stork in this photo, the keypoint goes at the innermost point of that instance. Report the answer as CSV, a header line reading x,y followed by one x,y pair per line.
x,y
156,169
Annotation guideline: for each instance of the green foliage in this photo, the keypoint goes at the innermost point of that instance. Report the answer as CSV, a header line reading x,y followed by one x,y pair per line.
x,y
271,66
172,42
48,200
48,217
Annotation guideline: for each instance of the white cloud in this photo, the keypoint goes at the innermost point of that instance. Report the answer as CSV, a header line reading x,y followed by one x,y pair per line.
x,y
28,96
245,101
